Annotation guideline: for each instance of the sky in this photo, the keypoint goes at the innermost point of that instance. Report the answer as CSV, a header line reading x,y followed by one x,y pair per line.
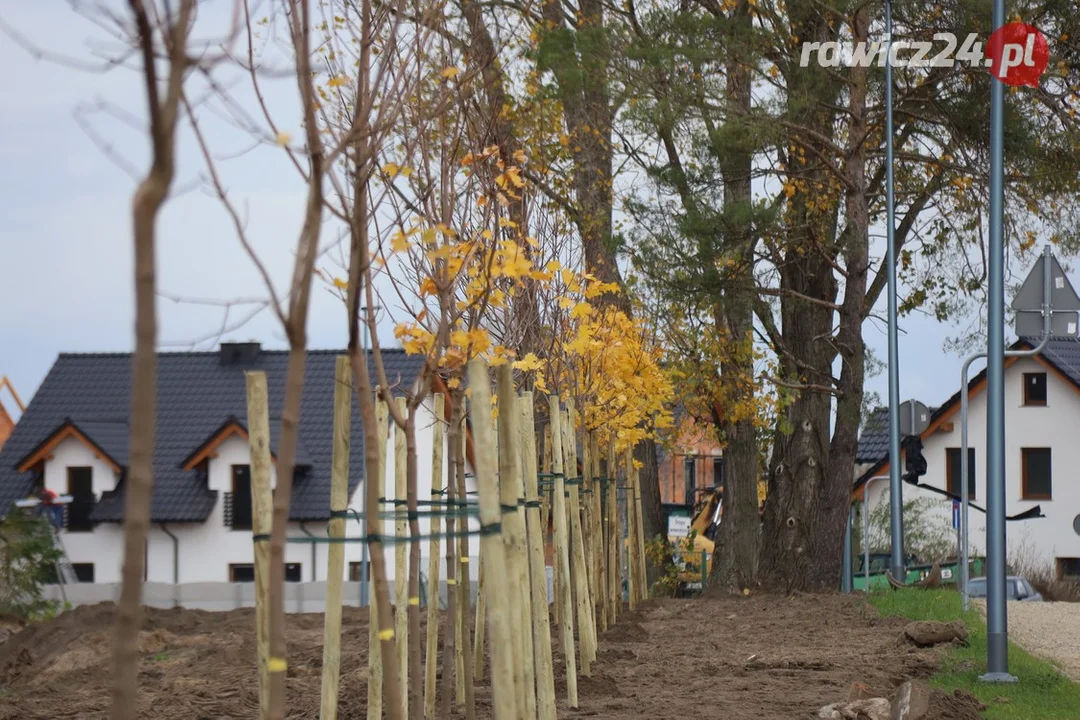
x,y
65,239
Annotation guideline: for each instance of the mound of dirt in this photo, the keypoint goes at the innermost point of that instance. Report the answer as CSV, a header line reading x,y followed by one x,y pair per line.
x,y
754,658
960,705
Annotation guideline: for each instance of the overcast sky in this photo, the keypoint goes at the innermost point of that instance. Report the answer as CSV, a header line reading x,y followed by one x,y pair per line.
x,y
65,238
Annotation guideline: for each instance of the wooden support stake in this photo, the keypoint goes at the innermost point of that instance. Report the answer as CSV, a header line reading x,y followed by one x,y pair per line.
x,y
600,545
586,636
614,539
512,499
493,554
643,582
401,567
258,411
465,662
478,623
335,554
631,532
545,522
541,624
432,654
374,524
562,554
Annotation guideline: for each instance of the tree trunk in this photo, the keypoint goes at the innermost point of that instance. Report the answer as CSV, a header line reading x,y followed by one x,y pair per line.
x,y
146,203
449,649
841,468
652,523
736,557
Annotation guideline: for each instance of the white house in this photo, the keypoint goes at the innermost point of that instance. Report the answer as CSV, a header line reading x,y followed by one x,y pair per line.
x,y
73,439
1042,456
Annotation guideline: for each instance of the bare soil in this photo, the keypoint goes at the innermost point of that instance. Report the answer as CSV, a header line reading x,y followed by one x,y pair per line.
x,y
745,657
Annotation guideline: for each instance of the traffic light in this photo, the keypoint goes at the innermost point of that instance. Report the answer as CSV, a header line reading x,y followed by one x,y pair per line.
x,y
914,462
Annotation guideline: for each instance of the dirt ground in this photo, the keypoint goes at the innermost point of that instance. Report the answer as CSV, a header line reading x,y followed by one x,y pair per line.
x,y
750,658
1050,630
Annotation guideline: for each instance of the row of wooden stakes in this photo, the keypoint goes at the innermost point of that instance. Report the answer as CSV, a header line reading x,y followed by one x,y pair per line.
x,y
517,503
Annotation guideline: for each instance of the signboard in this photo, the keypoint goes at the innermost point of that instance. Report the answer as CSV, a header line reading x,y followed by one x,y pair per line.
x,y
1062,294
956,514
678,526
1063,323
914,417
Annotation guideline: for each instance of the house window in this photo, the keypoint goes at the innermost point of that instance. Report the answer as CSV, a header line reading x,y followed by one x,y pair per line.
x,y
1068,569
1036,480
689,480
952,471
718,471
355,571
84,572
245,572
81,489
241,497
1035,389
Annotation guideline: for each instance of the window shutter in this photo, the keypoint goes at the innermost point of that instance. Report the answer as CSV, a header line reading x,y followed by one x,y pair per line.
x,y
228,510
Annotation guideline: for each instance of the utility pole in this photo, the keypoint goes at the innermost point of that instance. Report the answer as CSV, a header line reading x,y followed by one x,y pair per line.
x,y
896,488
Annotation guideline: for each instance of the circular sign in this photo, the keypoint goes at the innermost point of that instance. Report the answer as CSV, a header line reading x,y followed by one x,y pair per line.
x,y
1017,54
1076,524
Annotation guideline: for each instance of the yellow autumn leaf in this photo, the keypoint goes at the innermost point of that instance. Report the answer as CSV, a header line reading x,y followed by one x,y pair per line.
x,y
450,72
519,156
399,243
390,169
581,310
341,284
283,138
528,363
453,383
338,81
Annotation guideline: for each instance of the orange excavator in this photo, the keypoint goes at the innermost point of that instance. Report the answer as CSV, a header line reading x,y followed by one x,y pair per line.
x,y
694,552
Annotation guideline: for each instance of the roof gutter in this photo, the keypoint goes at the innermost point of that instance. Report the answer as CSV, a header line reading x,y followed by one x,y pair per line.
x,y
175,560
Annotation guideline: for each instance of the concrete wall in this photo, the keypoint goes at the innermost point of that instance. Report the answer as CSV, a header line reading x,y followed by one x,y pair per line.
x,y
1052,426
207,549
307,597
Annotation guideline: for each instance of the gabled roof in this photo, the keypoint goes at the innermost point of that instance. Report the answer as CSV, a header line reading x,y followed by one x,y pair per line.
x,y
197,393
233,426
107,440
1061,356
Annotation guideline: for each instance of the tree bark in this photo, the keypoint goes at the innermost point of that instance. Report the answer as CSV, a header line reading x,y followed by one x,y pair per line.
x,y
147,202
836,499
795,524
736,556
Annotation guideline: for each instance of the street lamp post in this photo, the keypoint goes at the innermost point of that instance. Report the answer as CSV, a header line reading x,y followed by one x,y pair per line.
x,y
896,489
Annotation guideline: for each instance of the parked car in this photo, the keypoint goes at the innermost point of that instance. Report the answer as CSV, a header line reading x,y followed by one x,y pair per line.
x,y
1016,588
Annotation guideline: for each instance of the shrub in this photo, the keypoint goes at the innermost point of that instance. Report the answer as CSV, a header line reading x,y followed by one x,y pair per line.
x,y
927,533
1042,575
28,559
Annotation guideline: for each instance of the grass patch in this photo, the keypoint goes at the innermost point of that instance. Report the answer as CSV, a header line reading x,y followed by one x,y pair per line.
x,y
1043,692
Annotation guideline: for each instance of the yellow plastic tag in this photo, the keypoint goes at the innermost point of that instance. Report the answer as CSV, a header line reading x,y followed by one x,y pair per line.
x,y
387,634
276,664
414,601
451,581
464,559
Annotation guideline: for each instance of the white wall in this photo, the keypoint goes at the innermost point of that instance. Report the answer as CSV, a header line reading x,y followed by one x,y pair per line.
x,y
1053,426
207,549
104,545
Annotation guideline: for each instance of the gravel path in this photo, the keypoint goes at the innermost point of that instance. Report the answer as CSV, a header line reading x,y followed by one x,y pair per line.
x,y
1050,630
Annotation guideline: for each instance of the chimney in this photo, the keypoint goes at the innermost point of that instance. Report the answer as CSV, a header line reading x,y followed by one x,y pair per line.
x,y
245,353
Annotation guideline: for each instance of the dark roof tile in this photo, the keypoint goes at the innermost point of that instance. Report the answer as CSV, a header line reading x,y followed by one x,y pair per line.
x,y
196,394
